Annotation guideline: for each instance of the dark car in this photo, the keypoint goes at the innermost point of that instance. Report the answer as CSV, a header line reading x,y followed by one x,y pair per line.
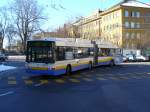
x,y
3,57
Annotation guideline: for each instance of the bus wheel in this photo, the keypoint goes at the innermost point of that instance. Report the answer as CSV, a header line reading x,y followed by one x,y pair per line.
x,y
68,70
90,65
112,63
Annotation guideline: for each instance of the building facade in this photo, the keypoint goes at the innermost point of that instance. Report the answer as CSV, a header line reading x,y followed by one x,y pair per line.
x,y
126,24
89,27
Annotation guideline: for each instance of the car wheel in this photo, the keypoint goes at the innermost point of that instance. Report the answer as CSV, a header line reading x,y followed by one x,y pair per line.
x,y
4,59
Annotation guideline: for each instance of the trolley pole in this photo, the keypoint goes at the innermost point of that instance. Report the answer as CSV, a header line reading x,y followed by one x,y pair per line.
x,y
95,57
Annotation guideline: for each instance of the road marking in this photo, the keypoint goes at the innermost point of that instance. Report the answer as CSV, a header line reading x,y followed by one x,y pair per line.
x,y
136,77
60,81
28,82
4,94
123,77
36,85
92,71
128,73
11,78
76,76
25,77
44,81
110,74
87,79
114,78
138,73
84,73
74,80
88,75
101,78
12,82
146,76
108,68
100,75
65,76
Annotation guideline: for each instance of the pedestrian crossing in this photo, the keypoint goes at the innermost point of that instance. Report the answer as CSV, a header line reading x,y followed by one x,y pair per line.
x,y
75,79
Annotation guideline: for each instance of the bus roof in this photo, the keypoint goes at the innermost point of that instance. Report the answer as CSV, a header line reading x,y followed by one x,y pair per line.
x,y
77,42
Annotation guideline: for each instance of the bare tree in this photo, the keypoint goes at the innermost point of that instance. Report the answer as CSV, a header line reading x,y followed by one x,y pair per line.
x,y
11,33
27,15
4,22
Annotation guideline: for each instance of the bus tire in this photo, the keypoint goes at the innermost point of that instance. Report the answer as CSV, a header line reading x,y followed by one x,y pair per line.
x,y
68,70
112,63
90,65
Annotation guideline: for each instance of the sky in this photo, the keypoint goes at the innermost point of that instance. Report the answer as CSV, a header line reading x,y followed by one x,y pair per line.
x,y
62,11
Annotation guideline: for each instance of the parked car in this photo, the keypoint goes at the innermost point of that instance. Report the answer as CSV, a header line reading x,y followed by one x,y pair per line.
x,y
140,58
3,57
124,59
130,57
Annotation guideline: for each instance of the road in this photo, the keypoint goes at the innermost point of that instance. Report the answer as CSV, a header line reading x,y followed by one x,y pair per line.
x,y
124,88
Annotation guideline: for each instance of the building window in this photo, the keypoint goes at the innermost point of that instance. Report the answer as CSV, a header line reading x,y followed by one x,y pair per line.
x,y
138,14
127,45
113,25
113,15
138,35
137,25
107,27
133,14
133,45
126,13
127,35
133,35
127,25
117,14
132,25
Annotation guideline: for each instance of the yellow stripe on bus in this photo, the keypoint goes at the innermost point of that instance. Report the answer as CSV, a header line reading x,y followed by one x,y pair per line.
x,y
39,68
105,60
73,65
60,67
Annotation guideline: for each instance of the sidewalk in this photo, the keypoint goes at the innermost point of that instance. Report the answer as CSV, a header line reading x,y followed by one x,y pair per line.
x,y
17,58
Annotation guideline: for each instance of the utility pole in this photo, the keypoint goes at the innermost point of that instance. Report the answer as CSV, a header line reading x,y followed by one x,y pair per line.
x,y
95,57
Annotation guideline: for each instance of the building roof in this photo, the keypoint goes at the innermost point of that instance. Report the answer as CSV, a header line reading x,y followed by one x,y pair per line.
x,y
129,3
134,3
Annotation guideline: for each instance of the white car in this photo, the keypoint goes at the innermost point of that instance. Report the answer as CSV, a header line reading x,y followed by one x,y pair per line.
x,y
130,57
140,58
118,59
124,58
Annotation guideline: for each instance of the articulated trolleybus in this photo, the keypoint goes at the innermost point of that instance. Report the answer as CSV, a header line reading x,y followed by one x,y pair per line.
x,y
57,56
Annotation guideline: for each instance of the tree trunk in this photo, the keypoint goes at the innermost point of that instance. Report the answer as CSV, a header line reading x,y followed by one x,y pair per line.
x,y
1,44
24,47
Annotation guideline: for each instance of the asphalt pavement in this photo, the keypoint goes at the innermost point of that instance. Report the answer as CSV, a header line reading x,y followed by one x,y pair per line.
x,y
124,88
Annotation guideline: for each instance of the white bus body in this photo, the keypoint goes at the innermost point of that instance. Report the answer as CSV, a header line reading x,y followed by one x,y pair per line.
x,y
56,56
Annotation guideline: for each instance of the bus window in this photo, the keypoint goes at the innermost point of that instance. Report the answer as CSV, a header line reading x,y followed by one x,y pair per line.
x,y
69,53
40,52
64,53
83,53
60,53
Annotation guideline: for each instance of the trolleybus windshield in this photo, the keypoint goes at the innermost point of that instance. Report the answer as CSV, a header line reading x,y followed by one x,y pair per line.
x,y
40,51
